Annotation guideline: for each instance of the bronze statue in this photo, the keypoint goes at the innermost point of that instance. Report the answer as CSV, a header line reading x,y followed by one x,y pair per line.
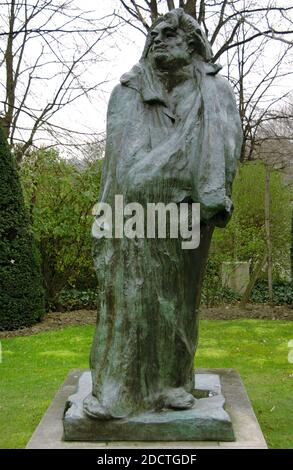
x,y
173,135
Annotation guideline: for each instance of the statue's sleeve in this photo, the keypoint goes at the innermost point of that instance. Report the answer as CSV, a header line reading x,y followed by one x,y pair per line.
x,y
233,134
222,141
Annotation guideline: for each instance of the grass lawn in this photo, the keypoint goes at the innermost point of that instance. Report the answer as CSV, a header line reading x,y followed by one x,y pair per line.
x,y
33,368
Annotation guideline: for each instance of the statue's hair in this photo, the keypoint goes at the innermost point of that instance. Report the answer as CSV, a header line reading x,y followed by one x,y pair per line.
x,y
194,34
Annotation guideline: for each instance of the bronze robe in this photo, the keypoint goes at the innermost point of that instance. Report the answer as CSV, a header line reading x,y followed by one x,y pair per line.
x,y
149,289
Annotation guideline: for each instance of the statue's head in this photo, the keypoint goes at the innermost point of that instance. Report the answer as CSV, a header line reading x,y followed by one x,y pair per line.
x,y
175,39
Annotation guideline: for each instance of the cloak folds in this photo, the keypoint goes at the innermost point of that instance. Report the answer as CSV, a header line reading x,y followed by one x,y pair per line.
x,y
149,289
195,151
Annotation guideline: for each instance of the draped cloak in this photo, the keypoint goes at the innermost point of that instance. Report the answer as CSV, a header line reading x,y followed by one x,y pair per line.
x,y
149,289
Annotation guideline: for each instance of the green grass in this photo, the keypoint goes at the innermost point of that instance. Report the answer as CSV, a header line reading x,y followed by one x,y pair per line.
x,y
34,367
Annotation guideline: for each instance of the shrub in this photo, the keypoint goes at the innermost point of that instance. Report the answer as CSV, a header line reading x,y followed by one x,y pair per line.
x,y
21,296
218,296
214,294
282,293
74,299
62,219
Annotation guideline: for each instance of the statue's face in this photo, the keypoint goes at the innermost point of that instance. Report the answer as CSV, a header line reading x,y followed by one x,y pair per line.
x,y
169,47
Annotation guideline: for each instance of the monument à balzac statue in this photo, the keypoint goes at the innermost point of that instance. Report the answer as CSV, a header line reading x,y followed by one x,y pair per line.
x,y
173,136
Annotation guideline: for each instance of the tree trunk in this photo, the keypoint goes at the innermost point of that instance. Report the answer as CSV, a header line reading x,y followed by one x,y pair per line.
x,y
10,83
292,247
253,279
268,230
154,9
190,8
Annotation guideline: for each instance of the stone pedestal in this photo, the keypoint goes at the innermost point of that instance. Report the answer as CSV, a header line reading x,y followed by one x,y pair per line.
x,y
49,433
205,421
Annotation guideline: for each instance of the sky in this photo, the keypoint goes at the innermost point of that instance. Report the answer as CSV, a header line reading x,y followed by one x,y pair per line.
x,y
120,52
124,50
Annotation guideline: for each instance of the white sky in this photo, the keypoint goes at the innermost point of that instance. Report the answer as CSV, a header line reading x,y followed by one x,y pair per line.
x,y
122,51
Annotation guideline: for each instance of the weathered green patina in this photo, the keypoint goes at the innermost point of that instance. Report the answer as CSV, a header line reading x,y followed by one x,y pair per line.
x,y
173,135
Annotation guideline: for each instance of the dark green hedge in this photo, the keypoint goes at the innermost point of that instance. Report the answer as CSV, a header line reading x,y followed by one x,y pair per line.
x,y
21,292
218,295
77,299
282,293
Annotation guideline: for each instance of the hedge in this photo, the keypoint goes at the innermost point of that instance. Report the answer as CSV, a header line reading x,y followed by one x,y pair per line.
x,y
21,291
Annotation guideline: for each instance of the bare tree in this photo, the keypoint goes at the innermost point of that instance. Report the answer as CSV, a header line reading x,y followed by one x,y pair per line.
x,y
274,147
46,48
255,75
221,19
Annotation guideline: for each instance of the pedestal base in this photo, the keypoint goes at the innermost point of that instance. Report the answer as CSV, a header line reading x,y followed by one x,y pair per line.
x,y
206,421
49,433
